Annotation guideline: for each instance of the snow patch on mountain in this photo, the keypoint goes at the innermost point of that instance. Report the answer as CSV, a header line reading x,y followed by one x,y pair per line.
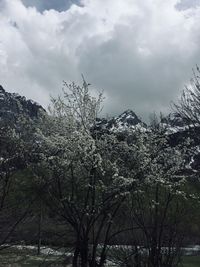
x,y
127,121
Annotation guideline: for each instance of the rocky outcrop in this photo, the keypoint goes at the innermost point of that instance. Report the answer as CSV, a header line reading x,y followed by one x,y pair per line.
x,y
13,105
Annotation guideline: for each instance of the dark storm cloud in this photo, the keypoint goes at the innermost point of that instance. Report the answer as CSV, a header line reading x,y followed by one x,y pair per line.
x,y
184,4
42,5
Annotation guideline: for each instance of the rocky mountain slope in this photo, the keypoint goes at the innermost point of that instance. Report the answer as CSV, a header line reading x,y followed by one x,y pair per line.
x,y
13,105
126,121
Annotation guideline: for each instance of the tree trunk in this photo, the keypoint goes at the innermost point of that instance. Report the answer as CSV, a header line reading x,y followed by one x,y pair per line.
x,y
39,230
75,257
84,254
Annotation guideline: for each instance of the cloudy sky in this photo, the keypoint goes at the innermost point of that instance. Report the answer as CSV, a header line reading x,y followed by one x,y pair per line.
x,y
141,53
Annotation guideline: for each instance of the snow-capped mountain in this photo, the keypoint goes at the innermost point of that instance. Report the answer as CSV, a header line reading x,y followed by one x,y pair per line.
x,y
127,121
12,106
174,124
178,132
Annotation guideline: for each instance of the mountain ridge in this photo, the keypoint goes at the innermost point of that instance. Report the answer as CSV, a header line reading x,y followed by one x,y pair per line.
x,y
12,106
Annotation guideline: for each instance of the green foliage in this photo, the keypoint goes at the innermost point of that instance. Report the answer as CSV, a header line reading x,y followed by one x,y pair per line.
x,y
190,261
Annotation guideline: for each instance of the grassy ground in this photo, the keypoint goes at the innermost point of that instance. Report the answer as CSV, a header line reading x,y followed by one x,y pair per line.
x,y
191,261
26,258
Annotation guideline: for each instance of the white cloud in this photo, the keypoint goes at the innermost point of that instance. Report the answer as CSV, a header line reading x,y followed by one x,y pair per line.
x,y
140,52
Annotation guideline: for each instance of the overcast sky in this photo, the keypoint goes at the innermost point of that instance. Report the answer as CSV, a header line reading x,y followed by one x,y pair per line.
x,y
141,53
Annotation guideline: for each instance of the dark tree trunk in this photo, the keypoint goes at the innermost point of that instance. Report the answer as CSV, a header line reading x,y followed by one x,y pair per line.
x,y
84,254
75,257
39,230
